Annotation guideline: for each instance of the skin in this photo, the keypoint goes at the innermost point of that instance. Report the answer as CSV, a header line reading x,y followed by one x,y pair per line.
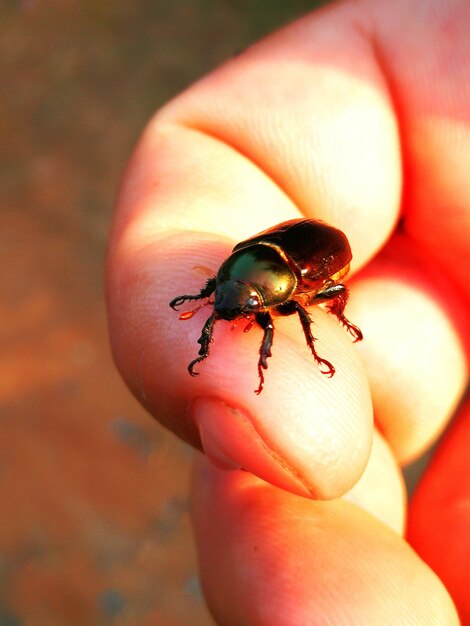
x,y
359,115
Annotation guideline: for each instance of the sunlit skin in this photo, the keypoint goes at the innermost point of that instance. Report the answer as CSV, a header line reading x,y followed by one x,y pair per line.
x,y
357,115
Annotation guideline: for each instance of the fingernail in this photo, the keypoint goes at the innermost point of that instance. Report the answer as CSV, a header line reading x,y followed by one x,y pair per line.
x,y
213,447
231,441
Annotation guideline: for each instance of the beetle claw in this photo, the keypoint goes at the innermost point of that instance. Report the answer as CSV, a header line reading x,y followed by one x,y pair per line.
x,y
191,367
329,371
355,332
177,302
352,329
261,380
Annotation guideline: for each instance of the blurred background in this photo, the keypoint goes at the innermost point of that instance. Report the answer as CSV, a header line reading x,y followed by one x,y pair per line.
x,y
94,523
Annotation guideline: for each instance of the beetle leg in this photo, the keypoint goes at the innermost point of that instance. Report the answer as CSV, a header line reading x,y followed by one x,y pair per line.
x,y
337,297
249,326
205,342
291,307
329,294
266,322
205,292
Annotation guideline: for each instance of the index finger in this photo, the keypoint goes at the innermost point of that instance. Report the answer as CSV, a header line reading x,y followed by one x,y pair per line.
x,y
247,147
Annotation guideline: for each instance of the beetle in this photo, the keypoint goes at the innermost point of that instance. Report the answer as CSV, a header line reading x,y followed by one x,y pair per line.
x,y
280,271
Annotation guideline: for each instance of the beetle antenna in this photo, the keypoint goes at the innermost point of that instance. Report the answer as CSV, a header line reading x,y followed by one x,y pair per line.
x,y
187,315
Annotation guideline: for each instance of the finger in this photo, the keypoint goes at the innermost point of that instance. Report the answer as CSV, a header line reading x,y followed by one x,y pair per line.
x,y
305,431
270,557
424,49
440,513
415,330
317,431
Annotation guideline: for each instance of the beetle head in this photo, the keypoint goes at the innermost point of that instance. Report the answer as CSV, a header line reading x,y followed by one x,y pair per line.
x,y
233,298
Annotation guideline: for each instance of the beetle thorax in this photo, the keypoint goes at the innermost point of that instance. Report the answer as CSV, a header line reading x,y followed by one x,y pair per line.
x,y
254,278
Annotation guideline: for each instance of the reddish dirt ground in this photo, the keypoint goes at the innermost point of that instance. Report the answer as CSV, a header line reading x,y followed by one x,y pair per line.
x,y
94,526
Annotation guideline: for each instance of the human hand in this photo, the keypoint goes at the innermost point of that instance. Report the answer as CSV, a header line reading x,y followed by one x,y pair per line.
x,y
358,115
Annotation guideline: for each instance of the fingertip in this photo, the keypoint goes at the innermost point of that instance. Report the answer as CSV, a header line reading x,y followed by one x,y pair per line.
x,y
304,432
313,433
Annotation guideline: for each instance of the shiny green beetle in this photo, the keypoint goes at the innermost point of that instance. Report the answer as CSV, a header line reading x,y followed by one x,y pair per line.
x,y
279,271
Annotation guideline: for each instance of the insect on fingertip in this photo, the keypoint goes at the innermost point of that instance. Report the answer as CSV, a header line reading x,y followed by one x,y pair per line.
x,y
280,271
